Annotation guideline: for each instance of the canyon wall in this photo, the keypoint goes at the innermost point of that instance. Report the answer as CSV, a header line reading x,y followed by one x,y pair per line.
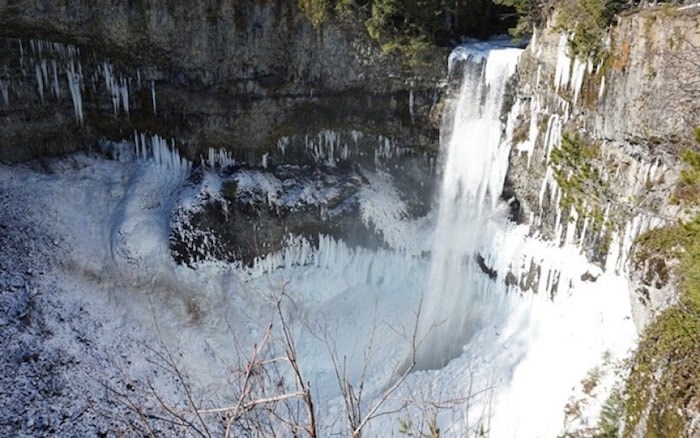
x,y
603,158
233,75
596,154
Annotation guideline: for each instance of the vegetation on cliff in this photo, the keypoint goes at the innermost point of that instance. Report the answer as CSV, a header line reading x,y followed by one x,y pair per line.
x,y
575,165
586,22
413,25
664,378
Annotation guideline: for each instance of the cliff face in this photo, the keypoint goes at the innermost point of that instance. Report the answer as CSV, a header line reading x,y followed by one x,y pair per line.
x,y
596,155
238,75
597,161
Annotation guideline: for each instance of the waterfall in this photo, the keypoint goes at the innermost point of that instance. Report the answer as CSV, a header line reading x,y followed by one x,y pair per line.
x,y
461,294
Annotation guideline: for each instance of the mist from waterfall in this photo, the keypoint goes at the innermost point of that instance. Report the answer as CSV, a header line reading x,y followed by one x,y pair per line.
x,y
461,295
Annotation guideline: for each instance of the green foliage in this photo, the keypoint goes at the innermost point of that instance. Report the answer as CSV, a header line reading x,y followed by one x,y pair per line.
x,y
413,48
410,26
587,21
430,19
577,175
407,428
229,190
317,11
574,169
665,373
592,380
688,189
527,12
611,415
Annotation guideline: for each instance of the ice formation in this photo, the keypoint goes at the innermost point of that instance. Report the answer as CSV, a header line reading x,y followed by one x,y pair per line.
x,y
119,90
75,80
5,92
218,157
158,150
329,147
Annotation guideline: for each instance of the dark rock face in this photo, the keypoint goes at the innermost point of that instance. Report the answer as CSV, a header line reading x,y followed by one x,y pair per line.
x,y
237,75
252,78
257,210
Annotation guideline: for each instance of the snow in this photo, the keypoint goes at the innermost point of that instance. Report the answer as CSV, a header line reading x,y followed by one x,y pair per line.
x,y
111,219
505,361
382,208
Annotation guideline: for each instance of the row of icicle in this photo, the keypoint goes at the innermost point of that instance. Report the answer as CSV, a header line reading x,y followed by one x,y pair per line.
x,y
48,62
569,76
330,147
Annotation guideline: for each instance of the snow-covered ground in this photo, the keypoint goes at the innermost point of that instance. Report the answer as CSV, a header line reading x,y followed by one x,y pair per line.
x,y
90,295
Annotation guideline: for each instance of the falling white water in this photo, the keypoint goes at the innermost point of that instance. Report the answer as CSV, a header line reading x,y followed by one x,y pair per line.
x,y
458,298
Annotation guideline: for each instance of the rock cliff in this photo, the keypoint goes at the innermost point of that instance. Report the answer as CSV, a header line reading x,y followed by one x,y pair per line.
x,y
233,75
596,152
597,162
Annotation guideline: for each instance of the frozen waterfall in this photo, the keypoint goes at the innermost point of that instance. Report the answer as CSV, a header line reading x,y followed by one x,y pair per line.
x,y
459,297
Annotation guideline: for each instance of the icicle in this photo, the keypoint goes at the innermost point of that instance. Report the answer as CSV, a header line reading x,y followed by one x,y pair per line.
x,y
601,90
582,239
74,81
579,73
571,227
137,145
282,144
563,67
55,87
144,153
124,93
44,72
528,145
162,154
153,96
5,91
40,83
553,136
